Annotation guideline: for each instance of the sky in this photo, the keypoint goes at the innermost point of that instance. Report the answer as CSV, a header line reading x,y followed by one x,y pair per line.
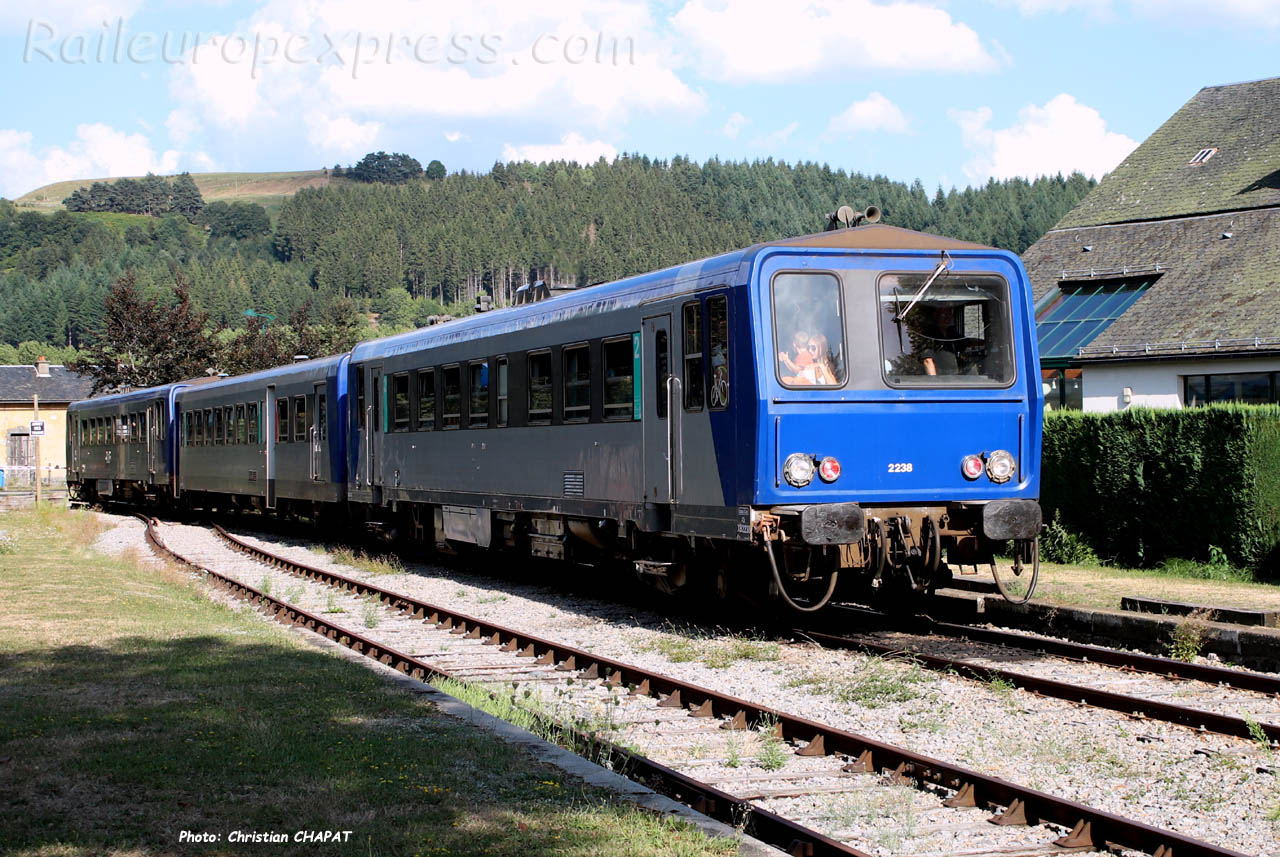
x,y
950,93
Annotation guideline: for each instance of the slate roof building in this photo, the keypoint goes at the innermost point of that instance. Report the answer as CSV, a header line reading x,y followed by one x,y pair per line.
x,y
57,387
1162,287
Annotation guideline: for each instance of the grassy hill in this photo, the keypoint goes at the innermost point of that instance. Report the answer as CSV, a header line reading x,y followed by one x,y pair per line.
x,y
267,189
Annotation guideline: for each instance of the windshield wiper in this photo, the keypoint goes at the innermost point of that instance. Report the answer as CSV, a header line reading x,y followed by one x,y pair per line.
x,y
943,266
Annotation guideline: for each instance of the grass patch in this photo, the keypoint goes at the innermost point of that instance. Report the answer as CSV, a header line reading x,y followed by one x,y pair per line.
x,y
1188,636
878,682
682,644
381,564
166,712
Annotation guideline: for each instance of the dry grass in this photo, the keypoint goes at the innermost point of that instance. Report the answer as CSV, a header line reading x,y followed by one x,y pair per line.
x,y
1104,587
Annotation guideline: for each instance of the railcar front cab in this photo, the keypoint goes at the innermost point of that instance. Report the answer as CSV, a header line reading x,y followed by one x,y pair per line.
x,y
121,446
901,411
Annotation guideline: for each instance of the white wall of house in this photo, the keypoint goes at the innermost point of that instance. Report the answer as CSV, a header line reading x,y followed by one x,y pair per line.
x,y
1157,383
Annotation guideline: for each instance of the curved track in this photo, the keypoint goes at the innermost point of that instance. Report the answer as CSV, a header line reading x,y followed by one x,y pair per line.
x,y
1090,829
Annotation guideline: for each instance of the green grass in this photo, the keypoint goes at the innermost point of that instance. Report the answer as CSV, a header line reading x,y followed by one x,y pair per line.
x,y
131,708
682,644
876,683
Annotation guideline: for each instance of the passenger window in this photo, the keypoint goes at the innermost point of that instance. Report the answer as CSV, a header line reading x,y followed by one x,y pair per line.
x,y
133,429
208,426
229,418
662,361
400,394
619,379
299,418
693,396
426,399
251,417
452,417
282,420
718,342
219,427
809,332
478,385
540,388
577,383
322,415
501,367
241,429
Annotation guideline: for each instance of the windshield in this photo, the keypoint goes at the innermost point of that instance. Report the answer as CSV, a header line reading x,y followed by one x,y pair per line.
x,y
958,334
809,330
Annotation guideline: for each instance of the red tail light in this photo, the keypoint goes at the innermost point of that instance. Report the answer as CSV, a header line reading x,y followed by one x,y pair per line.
x,y
972,466
829,469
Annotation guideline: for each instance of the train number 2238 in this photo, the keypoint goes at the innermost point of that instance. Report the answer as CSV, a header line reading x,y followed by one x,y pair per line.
x,y
901,467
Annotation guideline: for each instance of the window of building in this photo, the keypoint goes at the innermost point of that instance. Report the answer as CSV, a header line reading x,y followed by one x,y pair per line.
x,y
1083,309
619,378
500,370
478,385
718,344
1253,388
251,417
576,366
426,399
693,393
299,418
401,416
452,378
282,420
1063,389
539,387
1202,156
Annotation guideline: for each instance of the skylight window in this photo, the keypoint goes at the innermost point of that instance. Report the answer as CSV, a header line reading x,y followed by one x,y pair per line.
x,y
1083,309
1202,156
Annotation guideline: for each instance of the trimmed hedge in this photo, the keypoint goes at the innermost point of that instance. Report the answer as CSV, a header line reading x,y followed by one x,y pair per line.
x,y
1144,485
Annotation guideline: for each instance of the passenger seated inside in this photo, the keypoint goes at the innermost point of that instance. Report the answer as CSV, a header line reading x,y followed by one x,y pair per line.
x,y
799,347
820,370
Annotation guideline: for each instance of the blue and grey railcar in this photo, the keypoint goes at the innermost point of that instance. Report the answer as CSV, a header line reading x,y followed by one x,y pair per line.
x,y
270,440
120,446
863,399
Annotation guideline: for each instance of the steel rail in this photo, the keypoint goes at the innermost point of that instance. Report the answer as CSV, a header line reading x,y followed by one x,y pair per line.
x,y
1090,827
1133,705
1084,652
764,825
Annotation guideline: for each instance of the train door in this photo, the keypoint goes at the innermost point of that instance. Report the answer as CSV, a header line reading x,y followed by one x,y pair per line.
x,y
377,422
660,418
268,418
152,431
319,435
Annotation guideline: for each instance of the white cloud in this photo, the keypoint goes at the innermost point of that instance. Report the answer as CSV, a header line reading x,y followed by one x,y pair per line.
x,y
454,136
98,151
1060,137
340,135
52,20
775,139
1263,14
572,147
733,125
592,63
182,125
873,113
1036,7
758,41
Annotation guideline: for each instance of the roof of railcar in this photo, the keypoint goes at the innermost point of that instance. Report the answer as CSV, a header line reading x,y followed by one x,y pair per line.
x,y
315,368
631,291
114,400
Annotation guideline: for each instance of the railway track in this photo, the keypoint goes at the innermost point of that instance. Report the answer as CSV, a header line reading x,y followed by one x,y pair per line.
x,y
658,712
926,646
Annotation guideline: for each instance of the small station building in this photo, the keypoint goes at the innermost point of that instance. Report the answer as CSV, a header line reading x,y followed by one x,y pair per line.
x,y
56,387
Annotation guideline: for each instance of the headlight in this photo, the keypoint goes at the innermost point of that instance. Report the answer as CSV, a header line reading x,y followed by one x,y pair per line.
x,y
1000,466
971,467
798,469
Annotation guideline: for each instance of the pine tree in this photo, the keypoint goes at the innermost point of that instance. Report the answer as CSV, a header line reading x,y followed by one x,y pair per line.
x,y
186,198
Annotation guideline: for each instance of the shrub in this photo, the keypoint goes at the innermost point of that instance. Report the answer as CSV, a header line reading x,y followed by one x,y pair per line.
x,y
1142,485
1059,544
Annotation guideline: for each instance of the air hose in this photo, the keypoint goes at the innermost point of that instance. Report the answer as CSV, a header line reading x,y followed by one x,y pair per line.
x,y
782,590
